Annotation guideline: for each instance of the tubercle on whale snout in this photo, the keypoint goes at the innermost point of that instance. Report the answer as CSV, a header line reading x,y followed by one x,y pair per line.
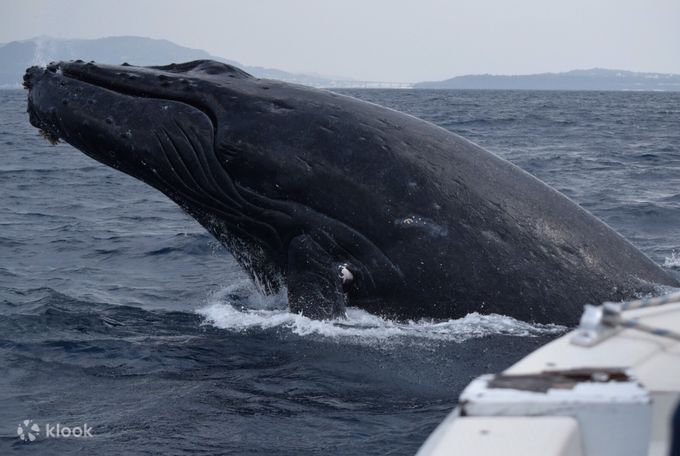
x,y
27,82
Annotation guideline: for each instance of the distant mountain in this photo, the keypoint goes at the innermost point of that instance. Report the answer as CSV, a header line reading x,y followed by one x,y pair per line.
x,y
16,56
595,79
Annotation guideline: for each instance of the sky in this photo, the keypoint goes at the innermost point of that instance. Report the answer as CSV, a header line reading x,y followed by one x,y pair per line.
x,y
380,40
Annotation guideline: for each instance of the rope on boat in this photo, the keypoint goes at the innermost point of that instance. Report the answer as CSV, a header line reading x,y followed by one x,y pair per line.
x,y
634,324
612,314
671,298
600,322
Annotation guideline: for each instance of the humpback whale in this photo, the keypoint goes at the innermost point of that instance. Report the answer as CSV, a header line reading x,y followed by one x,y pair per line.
x,y
341,201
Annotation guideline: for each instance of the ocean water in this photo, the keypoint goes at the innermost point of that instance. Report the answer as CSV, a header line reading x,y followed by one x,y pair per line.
x,y
118,311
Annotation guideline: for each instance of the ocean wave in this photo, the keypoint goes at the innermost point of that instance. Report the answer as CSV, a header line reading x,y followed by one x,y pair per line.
x,y
229,311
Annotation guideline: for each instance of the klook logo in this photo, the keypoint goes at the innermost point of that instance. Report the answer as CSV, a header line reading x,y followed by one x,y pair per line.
x,y
57,430
28,431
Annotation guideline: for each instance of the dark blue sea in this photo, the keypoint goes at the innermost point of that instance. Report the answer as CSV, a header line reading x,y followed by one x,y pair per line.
x,y
118,311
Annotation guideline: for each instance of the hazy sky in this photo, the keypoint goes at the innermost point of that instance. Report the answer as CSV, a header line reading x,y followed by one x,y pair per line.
x,y
379,39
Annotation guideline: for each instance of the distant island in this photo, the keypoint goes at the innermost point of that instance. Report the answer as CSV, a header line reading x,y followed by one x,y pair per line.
x,y
16,56
595,79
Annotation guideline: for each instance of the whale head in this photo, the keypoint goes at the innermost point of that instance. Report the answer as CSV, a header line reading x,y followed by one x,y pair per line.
x,y
235,152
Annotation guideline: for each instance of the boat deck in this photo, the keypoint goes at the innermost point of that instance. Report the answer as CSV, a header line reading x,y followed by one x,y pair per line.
x,y
615,397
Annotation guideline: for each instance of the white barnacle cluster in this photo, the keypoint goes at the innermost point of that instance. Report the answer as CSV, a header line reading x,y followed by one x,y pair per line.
x,y
422,223
410,220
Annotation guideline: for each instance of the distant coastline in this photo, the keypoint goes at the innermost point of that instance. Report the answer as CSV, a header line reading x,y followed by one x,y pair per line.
x,y
16,56
594,79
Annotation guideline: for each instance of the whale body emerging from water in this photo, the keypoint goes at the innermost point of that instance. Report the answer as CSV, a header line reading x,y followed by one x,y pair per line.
x,y
341,201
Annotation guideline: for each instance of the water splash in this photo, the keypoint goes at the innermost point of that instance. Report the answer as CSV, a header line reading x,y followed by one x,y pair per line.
x,y
672,261
43,52
228,309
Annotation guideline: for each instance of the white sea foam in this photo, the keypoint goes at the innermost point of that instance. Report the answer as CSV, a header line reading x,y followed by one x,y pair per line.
x,y
271,312
672,261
